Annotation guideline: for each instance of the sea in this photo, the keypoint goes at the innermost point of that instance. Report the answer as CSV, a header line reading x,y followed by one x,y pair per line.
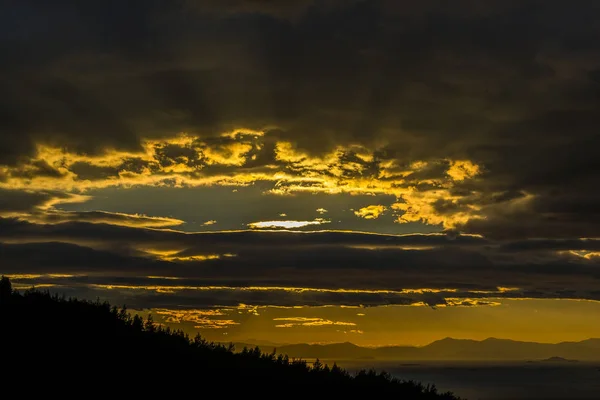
x,y
496,380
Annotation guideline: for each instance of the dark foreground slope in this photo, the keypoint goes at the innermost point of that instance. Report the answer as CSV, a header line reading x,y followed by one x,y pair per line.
x,y
53,344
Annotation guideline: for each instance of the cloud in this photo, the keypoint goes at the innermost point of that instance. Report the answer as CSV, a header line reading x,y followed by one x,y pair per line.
x,y
19,202
466,302
552,245
286,224
215,324
201,319
494,142
449,125
209,222
291,322
190,160
184,300
178,316
40,207
462,169
203,242
370,212
165,268
102,217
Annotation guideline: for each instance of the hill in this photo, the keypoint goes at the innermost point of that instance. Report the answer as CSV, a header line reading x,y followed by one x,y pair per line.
x,y
557,360
57,345
451,349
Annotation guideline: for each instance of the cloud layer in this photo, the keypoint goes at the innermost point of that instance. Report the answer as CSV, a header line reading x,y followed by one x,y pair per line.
x,y
479,121
165,268
482,118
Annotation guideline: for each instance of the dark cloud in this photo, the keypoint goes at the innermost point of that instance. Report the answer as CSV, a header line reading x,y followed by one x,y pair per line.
x,y
232,297
101,217
65,258
511,86
87,171
23,201
549,244
341,267
38,207
142,292
205,241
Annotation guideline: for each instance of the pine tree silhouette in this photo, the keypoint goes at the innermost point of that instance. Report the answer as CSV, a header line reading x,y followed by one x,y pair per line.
x,y
5,289
63,344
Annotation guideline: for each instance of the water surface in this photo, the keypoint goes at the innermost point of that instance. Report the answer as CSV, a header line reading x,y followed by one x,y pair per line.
x,y
498,380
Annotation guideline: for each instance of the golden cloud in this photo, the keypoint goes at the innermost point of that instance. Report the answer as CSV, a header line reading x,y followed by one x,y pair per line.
x,y
37,276
216,324
176,255
202,319
423,188
291,322
421,206
467,302
370,212
462,169
592,255
178,316
228,154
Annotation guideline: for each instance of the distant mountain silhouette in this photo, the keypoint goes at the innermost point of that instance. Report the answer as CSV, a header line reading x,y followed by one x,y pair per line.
x,y
451,349
52,345
557,360
595,343
261,343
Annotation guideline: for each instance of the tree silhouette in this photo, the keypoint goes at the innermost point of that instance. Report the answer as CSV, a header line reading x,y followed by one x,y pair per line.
x,y
64,343
5,289
149,324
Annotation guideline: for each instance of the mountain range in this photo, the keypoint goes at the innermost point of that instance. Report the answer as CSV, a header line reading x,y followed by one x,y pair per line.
x,y
444,349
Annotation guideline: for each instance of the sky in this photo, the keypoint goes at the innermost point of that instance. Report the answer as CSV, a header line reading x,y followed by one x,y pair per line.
x,y
379,172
